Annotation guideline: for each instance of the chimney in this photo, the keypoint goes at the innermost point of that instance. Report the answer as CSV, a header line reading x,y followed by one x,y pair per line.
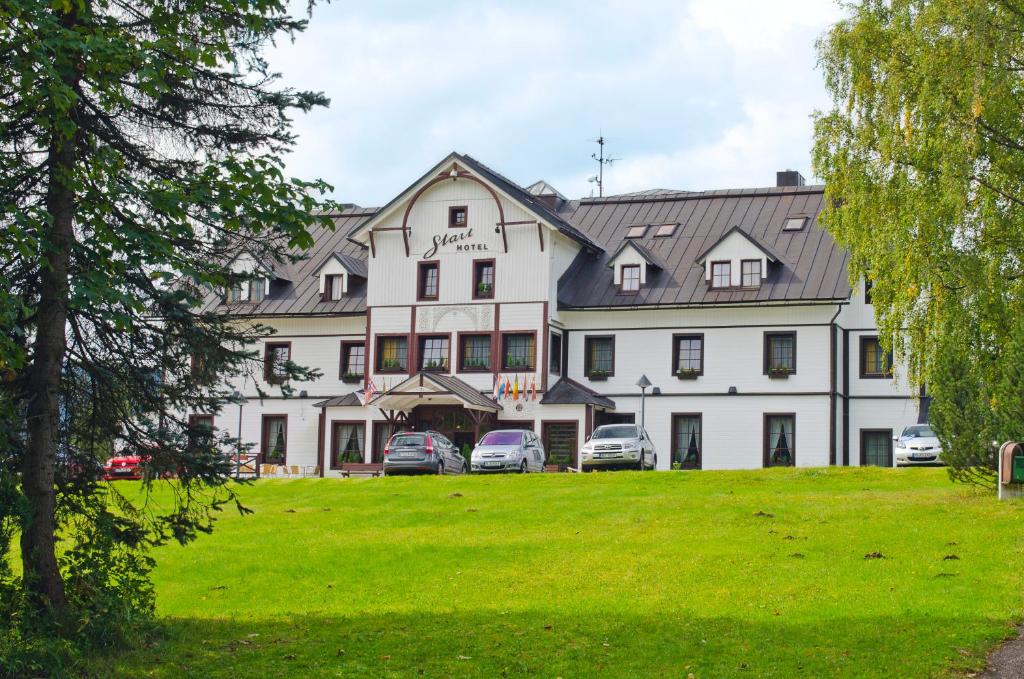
x,y
789,178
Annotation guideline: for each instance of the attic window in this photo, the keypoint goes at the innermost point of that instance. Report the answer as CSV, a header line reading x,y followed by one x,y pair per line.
x,y
665,230
457,216
637,231
794,224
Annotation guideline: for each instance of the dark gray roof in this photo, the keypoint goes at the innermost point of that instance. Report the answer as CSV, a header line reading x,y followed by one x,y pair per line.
x,y
462,390
568,392
354,266
299,294
338,401
812,266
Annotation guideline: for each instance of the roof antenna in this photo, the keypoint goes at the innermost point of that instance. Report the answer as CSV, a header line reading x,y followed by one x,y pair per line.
x,y
601,162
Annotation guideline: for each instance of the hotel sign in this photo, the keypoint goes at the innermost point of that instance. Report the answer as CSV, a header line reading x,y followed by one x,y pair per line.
x,y
454,243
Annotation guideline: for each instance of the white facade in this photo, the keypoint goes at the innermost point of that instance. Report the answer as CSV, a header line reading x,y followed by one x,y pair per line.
x,y
830,404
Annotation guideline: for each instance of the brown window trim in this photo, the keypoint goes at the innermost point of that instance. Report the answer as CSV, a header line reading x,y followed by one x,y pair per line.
x,y
268,375
501,345
888,437
420,297
675,350
764,427
555,368
760,274
408,354
574,460
864,374
622,279
476,284
334,441
711,278
343,363
462,357
700,453
786,333
451,216
419,351
588,341
263,436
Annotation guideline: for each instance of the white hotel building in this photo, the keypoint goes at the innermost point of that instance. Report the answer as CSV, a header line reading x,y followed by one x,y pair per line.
x,y
735,304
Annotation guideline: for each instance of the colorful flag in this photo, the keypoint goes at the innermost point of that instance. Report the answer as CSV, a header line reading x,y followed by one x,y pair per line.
x,y
508,388
533,389
501,389
369,392
515,389
497,389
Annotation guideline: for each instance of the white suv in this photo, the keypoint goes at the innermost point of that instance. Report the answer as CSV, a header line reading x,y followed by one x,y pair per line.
x,y
619,445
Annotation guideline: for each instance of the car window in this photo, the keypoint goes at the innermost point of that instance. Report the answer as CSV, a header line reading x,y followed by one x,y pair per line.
x,y
502,438
407,440
616,431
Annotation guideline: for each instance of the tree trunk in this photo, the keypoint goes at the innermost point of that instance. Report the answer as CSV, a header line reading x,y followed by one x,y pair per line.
x,y
43,583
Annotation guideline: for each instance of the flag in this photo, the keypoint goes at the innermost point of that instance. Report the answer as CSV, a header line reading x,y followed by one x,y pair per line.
x,y
533,389
501,388
515,389
497,389
369,392
508,388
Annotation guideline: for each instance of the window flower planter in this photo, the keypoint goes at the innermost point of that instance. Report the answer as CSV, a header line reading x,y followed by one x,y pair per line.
x,y
779,373
598,376
688,374
351,378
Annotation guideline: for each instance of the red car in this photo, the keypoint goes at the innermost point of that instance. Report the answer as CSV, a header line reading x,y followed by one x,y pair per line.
x,y
123,467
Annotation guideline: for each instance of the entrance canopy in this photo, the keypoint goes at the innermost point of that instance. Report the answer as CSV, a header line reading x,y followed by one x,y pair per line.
x,y
434,389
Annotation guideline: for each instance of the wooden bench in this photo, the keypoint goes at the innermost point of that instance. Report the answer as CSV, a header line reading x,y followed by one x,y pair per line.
x,y
362,468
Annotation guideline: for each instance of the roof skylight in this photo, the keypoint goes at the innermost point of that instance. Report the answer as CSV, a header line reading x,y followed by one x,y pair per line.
x,y
665,230
637,231
794,224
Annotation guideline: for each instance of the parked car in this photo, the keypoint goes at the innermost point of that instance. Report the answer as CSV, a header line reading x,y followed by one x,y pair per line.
x,y
508,450
123,467
619,445
77,466
423,452
917,445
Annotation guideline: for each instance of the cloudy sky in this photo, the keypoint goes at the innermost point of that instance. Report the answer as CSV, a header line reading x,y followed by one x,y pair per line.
x,y
694,94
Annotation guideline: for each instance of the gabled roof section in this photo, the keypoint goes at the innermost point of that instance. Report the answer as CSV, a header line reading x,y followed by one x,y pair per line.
x,y
511,190
276,270
568,392
355,267
652,259
428,387
542,188
736,229
351,399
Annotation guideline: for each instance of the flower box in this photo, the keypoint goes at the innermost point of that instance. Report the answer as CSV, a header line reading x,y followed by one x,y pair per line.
x,y
779,373
351,378
688,374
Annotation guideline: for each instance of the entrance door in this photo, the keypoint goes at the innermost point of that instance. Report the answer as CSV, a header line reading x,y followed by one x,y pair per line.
x,y
560,441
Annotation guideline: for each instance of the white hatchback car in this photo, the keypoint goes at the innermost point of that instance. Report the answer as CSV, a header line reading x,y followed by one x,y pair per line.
x,y
917,445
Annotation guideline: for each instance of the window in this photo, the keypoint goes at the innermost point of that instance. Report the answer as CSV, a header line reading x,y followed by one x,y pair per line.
x,y
721,274
353,361
257,289
779,440
750,270
665,230
637,231
876,447
347,442
434,353
457,216
274,358
794,223
333,287
234,293
483,279
204,421
779,353
429,280
868,284
274,442
688,355
518,351
393,354
686,441
874,362
631,278
475,353
600,357
555,359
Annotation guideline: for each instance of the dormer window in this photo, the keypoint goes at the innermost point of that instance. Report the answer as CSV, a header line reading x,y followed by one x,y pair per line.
x,y
665,230
233,294
721,274
334,287
637,231
257,290
457,216
750,273
631,278
794,224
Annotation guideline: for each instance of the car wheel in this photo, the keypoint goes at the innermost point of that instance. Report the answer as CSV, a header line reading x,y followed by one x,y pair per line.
x,y
522,467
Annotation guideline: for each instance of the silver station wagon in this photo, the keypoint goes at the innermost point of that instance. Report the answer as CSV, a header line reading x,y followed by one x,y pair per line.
x,y
508,450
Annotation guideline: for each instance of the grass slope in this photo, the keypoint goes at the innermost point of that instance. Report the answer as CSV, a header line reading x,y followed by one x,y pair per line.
x,y
759,574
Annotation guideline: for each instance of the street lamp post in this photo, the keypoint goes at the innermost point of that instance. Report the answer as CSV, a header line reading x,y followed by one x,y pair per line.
x,y
241,400
643,383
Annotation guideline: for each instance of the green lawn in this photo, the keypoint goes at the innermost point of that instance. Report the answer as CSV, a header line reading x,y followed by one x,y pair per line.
x,y
759,574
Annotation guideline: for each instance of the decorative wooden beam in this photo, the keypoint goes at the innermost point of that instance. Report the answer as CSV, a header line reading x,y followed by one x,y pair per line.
x,y
540,235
